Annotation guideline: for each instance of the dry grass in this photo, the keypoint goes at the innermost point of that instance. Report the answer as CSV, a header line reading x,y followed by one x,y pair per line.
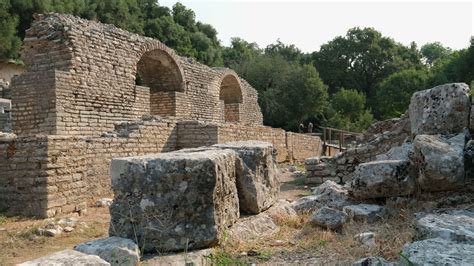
x,y
298,236
20,243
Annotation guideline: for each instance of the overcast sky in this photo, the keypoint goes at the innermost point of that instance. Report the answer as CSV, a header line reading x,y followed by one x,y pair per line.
x,y
308,24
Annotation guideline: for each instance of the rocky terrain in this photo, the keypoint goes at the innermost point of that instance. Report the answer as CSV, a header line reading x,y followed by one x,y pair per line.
x,y
230,204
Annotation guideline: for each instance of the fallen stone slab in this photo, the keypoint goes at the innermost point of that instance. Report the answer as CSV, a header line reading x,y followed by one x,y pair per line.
x,y
174,201
257,182
369,213
437,251
443,109
440,161
329,218
115,250
67,258
195,258
281,209
453,225
373,261
328,194
252,227
381,179
403,152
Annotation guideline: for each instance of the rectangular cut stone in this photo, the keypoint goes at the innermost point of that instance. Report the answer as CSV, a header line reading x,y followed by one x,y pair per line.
x,y
257,182
174,201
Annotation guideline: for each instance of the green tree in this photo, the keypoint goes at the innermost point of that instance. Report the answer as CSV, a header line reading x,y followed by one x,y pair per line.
x,y
288,92
434,51
362,59
9,41
239,52
394,92
348,111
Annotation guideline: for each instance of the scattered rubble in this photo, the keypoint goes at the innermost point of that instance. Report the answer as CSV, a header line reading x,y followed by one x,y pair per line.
x,y
329,218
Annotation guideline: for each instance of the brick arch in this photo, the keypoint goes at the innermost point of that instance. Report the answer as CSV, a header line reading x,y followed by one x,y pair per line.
x,y
159,68
230,93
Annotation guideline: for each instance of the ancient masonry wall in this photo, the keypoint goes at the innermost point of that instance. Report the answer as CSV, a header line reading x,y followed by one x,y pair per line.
x,y
49,175
340,167
81,79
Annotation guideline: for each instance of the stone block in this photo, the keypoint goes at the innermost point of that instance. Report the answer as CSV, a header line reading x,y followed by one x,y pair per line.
x,y
115,250
329,218
66,257
257,182
365,212
381,179
174,201
437,251
452,225
443,109
440,161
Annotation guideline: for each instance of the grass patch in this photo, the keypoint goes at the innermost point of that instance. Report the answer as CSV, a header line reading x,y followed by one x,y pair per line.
x,y
300,181
3,219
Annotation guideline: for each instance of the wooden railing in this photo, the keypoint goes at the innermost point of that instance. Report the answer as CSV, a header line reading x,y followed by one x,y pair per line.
x,y
331,145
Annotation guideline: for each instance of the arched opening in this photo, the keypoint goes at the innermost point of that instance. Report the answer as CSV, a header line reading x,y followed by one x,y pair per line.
x,y
160,72
231,94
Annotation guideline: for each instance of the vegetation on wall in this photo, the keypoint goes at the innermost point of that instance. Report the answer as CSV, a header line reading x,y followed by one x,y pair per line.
x,y
351,81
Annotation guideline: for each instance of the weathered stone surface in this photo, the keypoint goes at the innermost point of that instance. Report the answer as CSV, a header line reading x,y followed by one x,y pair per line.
x,y
373,261
67,258
328,194
257,182
195,258
367,239
380,179
365,212
403,152
440,161
437,251
114,250
281,209
443,109
173,201
454,225
253,227
469,159
329,218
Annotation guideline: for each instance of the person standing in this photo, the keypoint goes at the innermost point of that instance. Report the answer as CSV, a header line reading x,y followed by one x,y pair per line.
x,y
310,127
301,128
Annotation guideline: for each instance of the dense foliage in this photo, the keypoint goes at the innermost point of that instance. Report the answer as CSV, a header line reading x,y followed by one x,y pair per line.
x,y
352,79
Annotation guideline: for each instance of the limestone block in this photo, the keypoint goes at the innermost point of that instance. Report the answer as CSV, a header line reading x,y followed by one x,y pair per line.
x,y
257,182
328,194
174,201
402,152
443,109
365,212
453,225
329,218
440,161
281,209
373,261
380,179
115,250
437,251
253,227
195,258
67,258
469,160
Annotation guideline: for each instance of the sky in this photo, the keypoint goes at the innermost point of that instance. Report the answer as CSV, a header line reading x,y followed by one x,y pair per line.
x,y
308,24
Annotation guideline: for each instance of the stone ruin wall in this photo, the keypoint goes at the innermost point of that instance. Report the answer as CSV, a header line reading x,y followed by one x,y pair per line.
x,y
48,175
89,69
339,168
78,106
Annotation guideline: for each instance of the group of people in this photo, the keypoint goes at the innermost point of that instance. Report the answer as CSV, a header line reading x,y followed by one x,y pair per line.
x,y
302,127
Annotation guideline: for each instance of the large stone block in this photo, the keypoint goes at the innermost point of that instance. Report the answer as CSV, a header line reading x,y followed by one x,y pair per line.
x,y
174,201
443,109
257,182
381,179
452,225
327,194
115,250
437,251
440,161
67,257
